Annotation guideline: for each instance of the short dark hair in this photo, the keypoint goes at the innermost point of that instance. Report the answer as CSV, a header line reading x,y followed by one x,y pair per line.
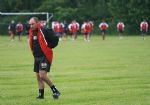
x,y
36,19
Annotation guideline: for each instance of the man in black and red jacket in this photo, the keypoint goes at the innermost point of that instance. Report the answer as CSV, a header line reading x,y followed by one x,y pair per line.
x,y
42,41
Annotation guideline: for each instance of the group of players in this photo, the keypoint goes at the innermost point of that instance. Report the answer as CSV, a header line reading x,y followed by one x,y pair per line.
x,y
62,29
18,28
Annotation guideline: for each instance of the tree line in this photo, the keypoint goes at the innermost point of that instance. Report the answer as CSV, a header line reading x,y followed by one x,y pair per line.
x,y
131,12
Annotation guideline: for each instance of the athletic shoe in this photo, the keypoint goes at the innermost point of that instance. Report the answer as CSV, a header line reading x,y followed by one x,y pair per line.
x,y
56,95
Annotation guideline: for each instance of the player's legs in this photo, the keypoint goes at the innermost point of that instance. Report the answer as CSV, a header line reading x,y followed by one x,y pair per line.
x,y
88,37
39,80
19,36
44,68
60,36
103,35
65,35
75,35
44,77
85,36
11,35
40,86
144,34
120,34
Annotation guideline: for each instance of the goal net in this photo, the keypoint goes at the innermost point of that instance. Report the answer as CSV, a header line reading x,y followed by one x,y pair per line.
x,y
22,17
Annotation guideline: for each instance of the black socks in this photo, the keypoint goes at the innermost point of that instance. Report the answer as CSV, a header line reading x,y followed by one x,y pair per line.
x,y
56,93
53,88
41,93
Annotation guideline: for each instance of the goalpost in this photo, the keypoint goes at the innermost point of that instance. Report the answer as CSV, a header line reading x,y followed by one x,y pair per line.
x,y
48,15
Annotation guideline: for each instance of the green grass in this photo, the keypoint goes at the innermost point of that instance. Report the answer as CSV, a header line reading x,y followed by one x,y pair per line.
x,y
110,72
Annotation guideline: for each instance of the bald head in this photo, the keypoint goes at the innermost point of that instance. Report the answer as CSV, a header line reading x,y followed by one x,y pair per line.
x,y
33,22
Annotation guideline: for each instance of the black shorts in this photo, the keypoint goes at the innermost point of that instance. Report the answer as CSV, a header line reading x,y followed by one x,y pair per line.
x,y
103,31
66,31
120,31
144,32
19,33
41,63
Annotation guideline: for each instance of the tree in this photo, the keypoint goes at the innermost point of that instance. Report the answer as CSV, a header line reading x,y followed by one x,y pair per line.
x,y
132,12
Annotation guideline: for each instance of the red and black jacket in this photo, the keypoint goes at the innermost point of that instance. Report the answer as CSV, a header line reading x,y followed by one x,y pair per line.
x,y
43,41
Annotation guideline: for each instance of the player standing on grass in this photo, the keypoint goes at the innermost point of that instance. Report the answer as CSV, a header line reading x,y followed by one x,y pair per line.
x,y
65,28
120,29
144,29
12,30
73,28
57,28
42,41
103,27
86,30
19,29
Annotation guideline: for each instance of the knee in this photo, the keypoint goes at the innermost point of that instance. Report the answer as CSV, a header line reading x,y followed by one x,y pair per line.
x,y
42,77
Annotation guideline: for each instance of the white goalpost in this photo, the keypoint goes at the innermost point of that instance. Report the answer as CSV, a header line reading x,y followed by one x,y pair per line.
x,y
48,15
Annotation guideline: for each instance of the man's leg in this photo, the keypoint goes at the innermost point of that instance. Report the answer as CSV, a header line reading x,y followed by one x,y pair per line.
x,y
88,37
73,36
20,39
103,35
44,77
40,86
11,36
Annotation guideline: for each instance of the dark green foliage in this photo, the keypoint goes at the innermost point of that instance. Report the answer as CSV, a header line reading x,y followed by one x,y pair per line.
x,y
131,12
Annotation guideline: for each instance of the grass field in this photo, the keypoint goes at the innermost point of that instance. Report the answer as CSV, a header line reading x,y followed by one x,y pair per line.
x,y
110,72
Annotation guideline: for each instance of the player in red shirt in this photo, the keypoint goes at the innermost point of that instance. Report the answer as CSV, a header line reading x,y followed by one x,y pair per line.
x,y
19,29
57,28
73,28
86,29
120,29
144,28
91,25
60,30
103,27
